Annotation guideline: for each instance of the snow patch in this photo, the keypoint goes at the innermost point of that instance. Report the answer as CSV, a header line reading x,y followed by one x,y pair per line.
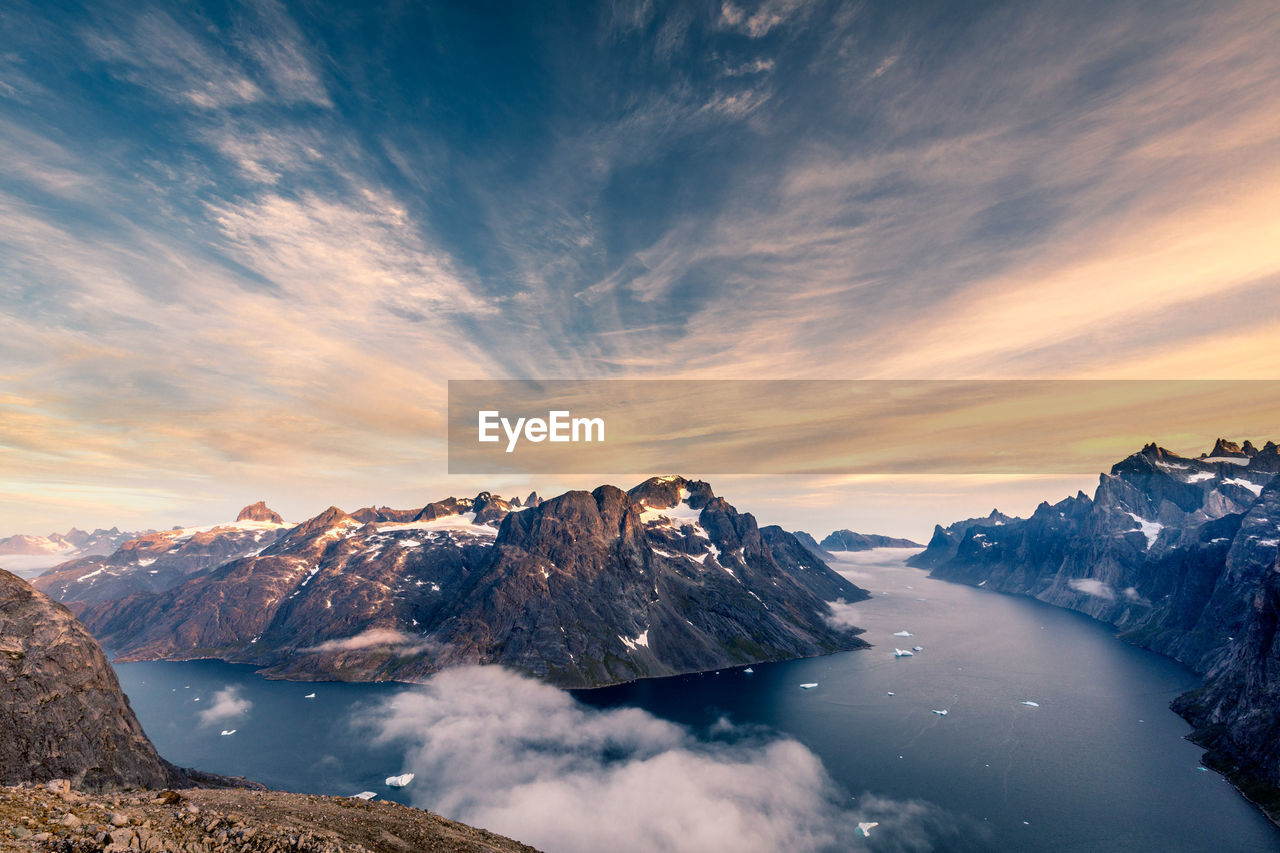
x,y
1150,529
1237,481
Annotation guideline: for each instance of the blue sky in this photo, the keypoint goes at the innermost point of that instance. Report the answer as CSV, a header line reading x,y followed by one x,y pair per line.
x,y
244,245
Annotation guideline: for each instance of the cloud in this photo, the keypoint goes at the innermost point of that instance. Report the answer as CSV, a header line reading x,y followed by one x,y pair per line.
x,y
515,756
1093,587
374,638
765,17
843,614
227,704
1132,595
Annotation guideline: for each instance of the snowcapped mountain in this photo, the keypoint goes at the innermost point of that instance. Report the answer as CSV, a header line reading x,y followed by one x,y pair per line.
x,y
1182,556
584,589
156,561
74,542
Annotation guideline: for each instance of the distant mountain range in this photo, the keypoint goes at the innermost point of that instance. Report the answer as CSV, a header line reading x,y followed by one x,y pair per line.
x,y
74,542
584,589
1182,556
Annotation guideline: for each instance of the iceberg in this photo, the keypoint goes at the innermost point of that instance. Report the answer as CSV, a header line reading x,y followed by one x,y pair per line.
x,y
309,696
808,685
748,670
917,648
364,795
866,826
941,713
902,633
984,583
890,692
903,653
1030,704
399,781
226,732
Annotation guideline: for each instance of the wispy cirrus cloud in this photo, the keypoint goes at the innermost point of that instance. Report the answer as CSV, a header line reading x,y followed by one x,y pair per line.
x,y
246,245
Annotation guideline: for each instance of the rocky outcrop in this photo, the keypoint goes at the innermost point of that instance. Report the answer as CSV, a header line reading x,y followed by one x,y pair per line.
x,y
1180,555
847,540
259,512
227,821
62,714
584,589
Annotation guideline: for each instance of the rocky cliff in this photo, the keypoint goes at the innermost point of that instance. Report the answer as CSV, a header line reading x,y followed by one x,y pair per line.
x,y
1180,555
584,589
62,714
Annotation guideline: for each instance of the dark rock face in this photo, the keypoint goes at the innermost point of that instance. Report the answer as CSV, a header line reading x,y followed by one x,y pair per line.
x,y
62,714
584,589
1178,554
259,512
847,540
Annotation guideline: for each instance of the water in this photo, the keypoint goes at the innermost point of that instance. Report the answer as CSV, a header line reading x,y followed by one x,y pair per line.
x,y
1099,765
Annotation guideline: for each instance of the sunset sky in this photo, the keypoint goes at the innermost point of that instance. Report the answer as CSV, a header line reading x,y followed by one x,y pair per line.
x,y
243,246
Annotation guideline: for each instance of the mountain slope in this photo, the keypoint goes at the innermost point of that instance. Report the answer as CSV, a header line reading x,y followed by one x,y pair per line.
x,y
1180,555
62,713
584,589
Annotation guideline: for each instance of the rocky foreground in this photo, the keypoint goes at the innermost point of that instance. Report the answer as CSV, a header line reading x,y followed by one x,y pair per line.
x,y
55,817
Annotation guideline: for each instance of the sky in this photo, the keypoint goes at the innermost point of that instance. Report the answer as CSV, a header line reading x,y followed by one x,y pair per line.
x,y
243,246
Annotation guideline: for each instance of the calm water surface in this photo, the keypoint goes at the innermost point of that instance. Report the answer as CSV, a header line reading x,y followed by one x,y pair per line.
x,y
1100,764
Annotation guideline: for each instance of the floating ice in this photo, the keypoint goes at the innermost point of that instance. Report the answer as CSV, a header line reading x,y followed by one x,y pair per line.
x,y
748,670
309,696
984,583
364,795
890,692
903,653
941,713
902,633
917,648
399,781
226,732
809,685
866,826
1031,704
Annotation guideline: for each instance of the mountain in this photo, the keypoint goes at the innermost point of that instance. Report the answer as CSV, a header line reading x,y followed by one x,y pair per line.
x,y
259,512
155,562
847,540
584,589
1181,556
72,543
811,545
61,709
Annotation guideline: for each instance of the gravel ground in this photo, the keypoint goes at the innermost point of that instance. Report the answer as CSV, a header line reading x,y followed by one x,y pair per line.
x,y
53,817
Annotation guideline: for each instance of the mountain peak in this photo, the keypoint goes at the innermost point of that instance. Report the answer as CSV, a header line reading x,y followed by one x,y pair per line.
x,y
259,512
1222,447
670,491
